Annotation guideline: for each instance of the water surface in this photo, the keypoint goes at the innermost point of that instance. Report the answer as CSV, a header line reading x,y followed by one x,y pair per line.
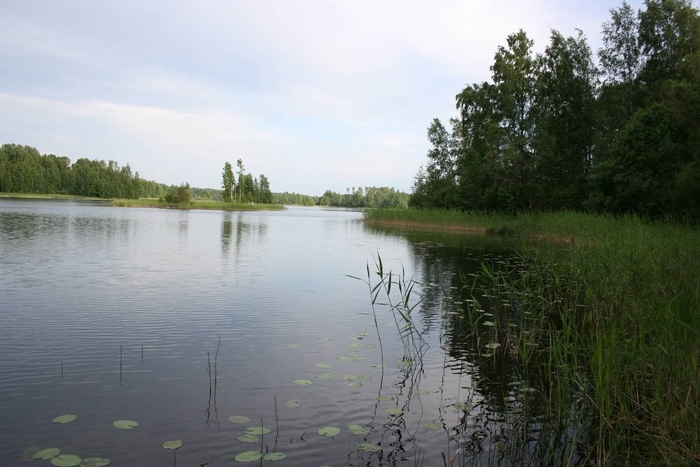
x,y
181,319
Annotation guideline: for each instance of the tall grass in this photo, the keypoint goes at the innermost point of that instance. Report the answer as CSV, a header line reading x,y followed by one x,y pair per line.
x,y
610,324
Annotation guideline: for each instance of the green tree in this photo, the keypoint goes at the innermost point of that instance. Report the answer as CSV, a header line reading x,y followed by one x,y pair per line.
x,y
565,113
228,182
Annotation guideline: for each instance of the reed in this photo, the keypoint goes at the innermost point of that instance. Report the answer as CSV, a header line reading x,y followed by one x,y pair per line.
x,y
613,320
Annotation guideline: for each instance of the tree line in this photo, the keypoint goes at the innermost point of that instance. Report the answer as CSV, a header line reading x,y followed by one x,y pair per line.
x,y
246,188
24,170
369,197
555,130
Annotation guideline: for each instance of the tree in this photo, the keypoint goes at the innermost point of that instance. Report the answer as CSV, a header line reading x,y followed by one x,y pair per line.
x,y
565,122
228,182
241,171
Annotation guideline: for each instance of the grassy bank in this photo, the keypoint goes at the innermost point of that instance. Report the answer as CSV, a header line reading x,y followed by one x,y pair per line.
x,y
47,196
613,324
195,204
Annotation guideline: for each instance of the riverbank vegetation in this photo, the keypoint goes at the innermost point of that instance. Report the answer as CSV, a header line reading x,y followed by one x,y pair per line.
x,y
608,324
555,131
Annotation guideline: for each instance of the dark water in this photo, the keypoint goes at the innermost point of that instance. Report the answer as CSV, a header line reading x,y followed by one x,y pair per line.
x,y
180,319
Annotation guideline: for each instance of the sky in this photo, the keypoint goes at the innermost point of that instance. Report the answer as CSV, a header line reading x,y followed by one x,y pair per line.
x,y
315,94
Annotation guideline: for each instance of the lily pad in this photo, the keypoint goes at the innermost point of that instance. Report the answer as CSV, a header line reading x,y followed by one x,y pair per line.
x,y
248,438
303,382
422,392
327,376
329,431
66,460
432,425
393,411
64,418
274,456
174,444
293,346
95,462
358,430
248,456
323,365
239,419
385,398
125,424
257,430
463,407
369,447
354,384
293,403
46,454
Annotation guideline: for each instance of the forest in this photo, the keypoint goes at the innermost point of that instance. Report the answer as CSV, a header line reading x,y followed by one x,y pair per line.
x,y
24,170
559,130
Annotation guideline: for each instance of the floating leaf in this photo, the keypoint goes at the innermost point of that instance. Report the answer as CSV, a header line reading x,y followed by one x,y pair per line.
x,y
393,411
248,438
323,365
369,447
293,346
239,419
46,454
293,403
433,425
354,384
463,407
248,456
66,460
125,424
329,431
64,418
493,345
174,444
95,462
364,378
274,456
257,430
325,339
327,376
303,382
358,430
422,392
349,377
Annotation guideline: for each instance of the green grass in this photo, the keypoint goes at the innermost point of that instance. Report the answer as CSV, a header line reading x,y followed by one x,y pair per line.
x,y
48,196
613,322
195,204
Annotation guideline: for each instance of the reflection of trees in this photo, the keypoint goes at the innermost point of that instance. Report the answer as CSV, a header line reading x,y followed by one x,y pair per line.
x,y
236,230
508,420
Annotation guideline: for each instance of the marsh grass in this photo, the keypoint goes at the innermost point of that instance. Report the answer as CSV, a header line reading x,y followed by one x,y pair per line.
x,y
204,204
609,325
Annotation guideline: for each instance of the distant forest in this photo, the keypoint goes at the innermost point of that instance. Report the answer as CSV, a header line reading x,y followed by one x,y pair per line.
x,y
555,131
24,170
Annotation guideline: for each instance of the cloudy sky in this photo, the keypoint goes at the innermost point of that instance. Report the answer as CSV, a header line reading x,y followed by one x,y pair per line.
x,y
314,94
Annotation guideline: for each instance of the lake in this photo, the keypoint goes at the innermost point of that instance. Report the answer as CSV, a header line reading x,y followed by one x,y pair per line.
x,y
182,320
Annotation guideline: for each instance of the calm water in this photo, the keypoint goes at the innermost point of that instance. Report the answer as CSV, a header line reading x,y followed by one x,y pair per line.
x,y
180,319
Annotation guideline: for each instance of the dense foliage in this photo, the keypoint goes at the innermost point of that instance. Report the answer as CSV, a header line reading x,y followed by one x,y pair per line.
x,y
246,189
555,131
369,197
24,170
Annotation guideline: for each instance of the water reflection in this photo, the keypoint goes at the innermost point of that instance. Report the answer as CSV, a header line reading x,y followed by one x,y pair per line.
x,y
505,418
234,228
